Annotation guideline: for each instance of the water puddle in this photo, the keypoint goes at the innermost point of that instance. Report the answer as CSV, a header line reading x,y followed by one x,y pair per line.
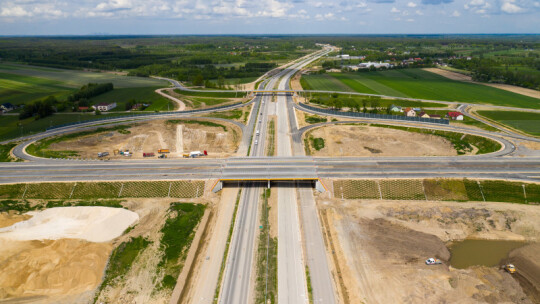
x,y
480,252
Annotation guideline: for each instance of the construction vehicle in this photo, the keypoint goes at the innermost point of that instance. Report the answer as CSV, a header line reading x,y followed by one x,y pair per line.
x,y
510,268
163,151
150,154
185,155
432,261
162,156
194,154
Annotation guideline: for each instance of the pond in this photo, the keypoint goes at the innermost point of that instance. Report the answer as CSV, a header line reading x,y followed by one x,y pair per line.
x,y
480,252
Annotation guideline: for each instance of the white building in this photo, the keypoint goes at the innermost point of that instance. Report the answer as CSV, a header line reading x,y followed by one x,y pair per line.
x,y
104,107
380,64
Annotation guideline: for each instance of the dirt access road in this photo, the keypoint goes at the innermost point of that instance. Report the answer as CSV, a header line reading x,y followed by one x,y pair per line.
x,y
380,247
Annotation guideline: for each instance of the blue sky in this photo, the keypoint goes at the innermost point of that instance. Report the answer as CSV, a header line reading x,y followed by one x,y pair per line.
x,y
62,17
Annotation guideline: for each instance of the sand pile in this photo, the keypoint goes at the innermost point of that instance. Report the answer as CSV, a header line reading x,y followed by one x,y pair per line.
x,y
94,224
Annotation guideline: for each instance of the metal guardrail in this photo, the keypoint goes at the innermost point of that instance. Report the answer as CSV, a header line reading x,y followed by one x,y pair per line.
x,y
142,115
378,116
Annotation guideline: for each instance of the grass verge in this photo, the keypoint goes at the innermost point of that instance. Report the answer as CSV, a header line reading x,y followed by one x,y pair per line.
x,y
266,284
4,152
177,234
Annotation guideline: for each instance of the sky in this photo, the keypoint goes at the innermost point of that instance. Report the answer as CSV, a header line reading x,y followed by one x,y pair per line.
x,y
164,17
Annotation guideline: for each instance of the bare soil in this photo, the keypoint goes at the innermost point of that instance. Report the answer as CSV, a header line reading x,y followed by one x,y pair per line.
x,y
380,248
502,86
12,217
349,140
153,135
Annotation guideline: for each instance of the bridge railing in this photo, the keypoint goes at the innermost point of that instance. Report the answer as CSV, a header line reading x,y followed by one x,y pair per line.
x,y
112,116
377,116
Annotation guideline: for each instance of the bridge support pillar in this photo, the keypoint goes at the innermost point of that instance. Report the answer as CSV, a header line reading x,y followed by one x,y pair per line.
x,y
218,186
319,186
268,184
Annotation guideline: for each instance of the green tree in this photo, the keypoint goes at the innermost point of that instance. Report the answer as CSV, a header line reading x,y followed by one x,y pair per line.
x,y
198,80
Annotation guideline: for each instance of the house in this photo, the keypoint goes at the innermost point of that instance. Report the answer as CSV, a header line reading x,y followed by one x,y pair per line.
x,y
423,115
104,107
455,115
435,116
409,112
7,107
394,108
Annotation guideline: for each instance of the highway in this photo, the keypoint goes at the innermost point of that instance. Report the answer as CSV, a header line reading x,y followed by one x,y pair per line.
x,y
300,239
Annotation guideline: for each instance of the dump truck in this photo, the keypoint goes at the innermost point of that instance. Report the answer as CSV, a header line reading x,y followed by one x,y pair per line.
x,y
163,151
150,154
162,156
510,268
103,154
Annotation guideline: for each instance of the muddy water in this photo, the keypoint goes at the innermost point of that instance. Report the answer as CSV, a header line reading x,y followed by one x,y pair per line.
x,y
480,252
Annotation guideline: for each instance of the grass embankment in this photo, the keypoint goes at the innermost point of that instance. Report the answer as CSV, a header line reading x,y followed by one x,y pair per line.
x,y
121,260
313,119
271,147
5,152
39,148
226,252
439,190
357,102
22,206
462,142
211,94
177,234
197,122
417,83
102,190
522,121
231,114
266,282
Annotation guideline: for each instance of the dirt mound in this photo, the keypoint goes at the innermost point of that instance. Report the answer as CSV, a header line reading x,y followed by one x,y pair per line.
x,y
51,271
94,224
342,140
10,218
380,248
413,245
527,262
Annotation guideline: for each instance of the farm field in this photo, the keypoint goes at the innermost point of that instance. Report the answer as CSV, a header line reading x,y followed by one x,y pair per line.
x,y
416,83
324,82
526,122
22,84
11,127
140,94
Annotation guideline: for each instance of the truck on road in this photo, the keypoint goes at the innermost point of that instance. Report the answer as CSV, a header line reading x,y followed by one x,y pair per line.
x,y
163,151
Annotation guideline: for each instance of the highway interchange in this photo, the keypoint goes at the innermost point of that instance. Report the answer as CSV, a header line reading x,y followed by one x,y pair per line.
x,y
300,240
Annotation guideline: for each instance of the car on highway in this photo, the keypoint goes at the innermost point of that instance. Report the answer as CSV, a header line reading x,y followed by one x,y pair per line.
x,y
256,141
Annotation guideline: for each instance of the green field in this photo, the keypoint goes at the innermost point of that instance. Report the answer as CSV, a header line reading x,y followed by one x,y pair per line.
x,y
21,84
526,122
417,83
141,95
11,127
324,82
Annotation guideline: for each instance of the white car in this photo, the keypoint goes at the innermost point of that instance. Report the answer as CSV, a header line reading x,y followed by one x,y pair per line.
x,y
432,261
256,141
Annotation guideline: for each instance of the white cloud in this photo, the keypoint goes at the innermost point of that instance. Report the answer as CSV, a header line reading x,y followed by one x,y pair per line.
x,y
394,10
419,13
361,5
456,14
15,11
510,7
411,4
410,20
